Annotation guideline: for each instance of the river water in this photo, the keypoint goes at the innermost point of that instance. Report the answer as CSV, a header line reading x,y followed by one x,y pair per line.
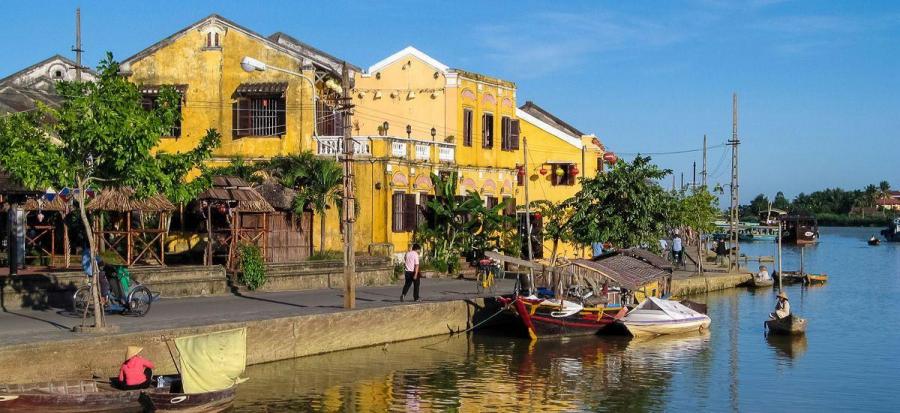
x,y
848,361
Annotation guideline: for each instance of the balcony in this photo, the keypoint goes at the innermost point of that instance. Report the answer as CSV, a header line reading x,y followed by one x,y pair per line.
x,y
446,152
334,145
399,149
423,151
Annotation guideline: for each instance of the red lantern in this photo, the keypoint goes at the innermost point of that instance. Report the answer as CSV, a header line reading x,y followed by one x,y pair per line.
x,y
520,170
537,215
573,170
610,158
543,171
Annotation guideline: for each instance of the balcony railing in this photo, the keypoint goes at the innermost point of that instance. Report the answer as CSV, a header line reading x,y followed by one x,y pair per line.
x,y
423,151
399,149
334,145
446,153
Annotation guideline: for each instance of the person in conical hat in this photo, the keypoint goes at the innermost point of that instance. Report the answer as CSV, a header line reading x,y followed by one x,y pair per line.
x,y
782,307
136,371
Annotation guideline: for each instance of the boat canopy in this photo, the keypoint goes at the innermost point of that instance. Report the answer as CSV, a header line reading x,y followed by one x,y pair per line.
x,y
212,362
673,309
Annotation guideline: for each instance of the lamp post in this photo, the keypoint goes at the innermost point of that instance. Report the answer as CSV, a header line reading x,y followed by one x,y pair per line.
x,y
250,64
408,131
433,133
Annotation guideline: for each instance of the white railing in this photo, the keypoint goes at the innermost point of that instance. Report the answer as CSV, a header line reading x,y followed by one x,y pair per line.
x,y
423,151
446,153
334,145
398,149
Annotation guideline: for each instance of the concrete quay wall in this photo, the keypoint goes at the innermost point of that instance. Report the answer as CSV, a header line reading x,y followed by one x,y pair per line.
x,y
682,287
267,340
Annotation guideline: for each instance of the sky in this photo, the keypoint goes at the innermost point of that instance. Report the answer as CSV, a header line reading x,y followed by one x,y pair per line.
x,y
818,83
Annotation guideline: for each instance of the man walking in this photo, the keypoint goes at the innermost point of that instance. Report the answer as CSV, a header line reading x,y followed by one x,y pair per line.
x,y
411,273
677,249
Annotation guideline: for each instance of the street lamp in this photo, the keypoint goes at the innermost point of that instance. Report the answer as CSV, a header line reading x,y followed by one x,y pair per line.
x,y
433,133
408,131
385,125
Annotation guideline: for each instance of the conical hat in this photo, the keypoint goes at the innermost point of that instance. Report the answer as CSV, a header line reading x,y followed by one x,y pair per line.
x,y
132,351
783,295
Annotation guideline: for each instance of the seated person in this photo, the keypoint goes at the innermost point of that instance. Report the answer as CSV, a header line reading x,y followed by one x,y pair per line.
x,y
763,274
782,307
136,371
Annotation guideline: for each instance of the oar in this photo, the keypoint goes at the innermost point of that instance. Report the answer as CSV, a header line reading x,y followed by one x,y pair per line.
x,y
174,362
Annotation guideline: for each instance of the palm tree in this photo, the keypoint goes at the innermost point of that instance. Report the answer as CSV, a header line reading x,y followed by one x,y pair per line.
x,y
318,182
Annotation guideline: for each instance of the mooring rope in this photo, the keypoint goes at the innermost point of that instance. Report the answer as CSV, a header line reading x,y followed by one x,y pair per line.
x,y
479,324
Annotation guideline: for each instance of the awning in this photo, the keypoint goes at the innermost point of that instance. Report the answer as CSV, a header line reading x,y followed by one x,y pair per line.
x,y
261,89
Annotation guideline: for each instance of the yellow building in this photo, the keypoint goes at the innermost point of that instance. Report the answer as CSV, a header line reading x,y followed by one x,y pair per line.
x,y
413,116
259,114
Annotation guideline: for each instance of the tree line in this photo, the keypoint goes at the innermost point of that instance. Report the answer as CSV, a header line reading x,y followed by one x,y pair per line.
x,y
831,205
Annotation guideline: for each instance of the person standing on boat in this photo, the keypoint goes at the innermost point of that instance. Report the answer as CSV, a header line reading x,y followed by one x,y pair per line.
x,y
136,371
411,273
596,249
677,249
782,307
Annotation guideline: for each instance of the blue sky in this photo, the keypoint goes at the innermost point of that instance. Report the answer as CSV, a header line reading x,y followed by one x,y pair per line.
x,y
818,82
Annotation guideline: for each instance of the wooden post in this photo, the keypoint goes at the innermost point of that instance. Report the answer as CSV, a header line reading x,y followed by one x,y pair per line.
x,y
128,239
779,255
527,215
209,234
348,195
66,253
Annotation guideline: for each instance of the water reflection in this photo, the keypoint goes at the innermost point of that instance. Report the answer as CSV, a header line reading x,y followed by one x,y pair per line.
x,y
476,374
787,348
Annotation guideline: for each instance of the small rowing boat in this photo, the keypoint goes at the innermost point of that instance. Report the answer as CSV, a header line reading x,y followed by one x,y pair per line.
x,y
72,396
790,325
656,316
757,282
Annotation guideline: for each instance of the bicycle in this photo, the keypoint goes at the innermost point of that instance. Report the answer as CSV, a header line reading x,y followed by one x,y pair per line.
x,y
132,298
484,276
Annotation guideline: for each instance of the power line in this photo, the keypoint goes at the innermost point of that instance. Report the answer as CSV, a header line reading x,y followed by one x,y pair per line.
x,y
722,145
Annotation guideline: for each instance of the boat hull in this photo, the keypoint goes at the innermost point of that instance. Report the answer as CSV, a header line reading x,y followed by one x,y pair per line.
x,y
209,402
539,323
787,326
658,328
68,397
757,283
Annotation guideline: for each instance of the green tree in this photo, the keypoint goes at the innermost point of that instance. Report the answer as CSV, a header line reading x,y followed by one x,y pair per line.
x,y
625,206
319,183
884,187
780,202
238,167
759,204
557,218
449,226
101,137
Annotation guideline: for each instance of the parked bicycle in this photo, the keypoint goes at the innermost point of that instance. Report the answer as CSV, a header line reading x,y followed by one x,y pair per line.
x,y
485,274
126,295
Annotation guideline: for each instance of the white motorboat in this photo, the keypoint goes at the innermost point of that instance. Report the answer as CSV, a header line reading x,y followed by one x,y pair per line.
x,y
656,316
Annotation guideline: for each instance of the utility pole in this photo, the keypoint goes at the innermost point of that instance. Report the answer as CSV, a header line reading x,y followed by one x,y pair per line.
x,y
735,250
527,215
694,182
704,161
348,198
682,182
77,48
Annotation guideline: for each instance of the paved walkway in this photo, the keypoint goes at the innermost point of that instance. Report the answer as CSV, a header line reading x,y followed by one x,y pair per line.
x,y
21,326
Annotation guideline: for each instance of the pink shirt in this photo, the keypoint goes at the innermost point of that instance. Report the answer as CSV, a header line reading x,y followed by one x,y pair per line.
x,y
412,260
132,371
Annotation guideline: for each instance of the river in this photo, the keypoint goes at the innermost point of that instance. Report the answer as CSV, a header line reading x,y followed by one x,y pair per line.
x,y
848,360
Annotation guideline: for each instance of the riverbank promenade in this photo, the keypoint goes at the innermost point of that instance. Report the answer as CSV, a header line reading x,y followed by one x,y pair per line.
x,y
22,326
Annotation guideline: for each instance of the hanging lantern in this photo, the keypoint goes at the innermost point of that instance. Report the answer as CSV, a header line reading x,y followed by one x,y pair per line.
x,y
537,215
573,170
610,158
40,216
559,171
520,171
222,209
543,171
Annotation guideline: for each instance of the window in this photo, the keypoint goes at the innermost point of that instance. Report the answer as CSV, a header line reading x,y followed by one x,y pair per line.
x,y
259,116
467,127
405,212
509,134
560,174
329,120
509,208
149,103
487,130
491,202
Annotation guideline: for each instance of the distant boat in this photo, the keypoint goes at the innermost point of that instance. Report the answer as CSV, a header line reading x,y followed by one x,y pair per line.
x,y
656,316
752,232
790,325
756,282
799,229
892,232
874,241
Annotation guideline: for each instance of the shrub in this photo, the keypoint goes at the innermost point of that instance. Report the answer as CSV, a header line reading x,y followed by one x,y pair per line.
x,y
253,268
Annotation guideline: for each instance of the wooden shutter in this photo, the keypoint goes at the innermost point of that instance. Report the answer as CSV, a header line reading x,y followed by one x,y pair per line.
x,y
467,127
241,118
504,133
487,130
484,137
514,135
410,212
397,204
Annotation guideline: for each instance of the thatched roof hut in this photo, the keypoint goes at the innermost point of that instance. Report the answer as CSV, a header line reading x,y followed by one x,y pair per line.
x,y
124,200
278,196
231,188
40,204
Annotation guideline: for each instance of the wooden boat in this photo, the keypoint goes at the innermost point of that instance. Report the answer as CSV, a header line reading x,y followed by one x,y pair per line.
x,y
815,278
892,232
790,325
756,282
73,396
656,316
874,241
548,318
172,399
799,229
